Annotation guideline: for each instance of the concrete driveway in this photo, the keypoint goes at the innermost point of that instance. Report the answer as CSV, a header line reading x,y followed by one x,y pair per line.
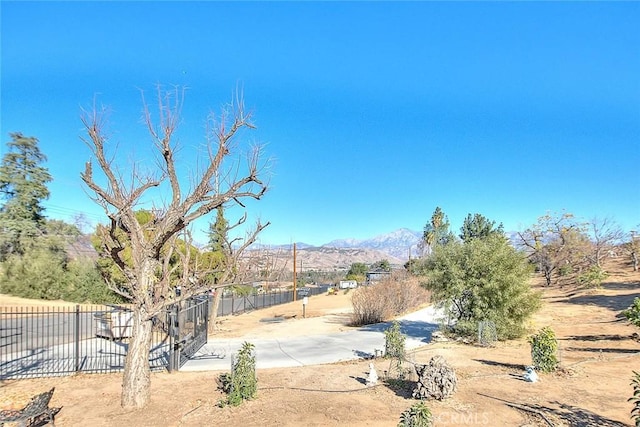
x,y
283,352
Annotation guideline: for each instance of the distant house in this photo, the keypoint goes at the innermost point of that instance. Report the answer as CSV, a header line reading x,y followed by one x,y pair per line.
x,y
377,275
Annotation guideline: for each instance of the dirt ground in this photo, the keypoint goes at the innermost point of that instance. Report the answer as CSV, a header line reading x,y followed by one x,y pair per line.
x,y
598,353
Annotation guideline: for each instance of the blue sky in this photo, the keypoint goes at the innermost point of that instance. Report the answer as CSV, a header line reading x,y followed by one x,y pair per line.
x,y
374,112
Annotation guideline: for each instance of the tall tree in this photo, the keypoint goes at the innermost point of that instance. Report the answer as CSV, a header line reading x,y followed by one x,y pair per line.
x,y
218,231
479,226
220,251
221,180
436,232
23,187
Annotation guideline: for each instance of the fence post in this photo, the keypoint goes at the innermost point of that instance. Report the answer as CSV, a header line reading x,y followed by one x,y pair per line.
x,y
233,302
172,344
77,339
206,317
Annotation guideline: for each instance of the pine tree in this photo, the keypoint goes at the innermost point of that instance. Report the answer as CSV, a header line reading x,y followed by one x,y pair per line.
x,y
23,187
479,226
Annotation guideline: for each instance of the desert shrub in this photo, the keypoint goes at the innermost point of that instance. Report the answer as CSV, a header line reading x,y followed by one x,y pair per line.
x,y
544,350
418,415
386,299
592,278
635,399
242,383
633,313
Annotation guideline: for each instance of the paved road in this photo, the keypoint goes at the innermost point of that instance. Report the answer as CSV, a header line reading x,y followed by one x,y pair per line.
x,y
316,349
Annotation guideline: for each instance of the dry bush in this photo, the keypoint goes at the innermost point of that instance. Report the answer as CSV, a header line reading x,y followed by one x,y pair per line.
x,y
386,299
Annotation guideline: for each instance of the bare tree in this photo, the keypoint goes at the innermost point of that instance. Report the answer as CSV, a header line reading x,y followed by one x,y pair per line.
x,y
605,235
148,272
631,247
557,245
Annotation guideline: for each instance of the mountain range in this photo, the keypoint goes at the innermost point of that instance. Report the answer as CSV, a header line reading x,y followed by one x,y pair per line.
x,y
396,247
401,243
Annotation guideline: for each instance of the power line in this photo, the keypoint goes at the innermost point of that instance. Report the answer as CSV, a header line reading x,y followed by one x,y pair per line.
x,y
72,212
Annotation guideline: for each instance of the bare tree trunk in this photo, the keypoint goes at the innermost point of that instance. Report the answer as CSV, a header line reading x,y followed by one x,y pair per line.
x,y
214,309
634,257
136,385
548,275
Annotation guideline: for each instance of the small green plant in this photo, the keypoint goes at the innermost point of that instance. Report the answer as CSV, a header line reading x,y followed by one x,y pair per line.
x,y
544,350
394,341
592,278
394,349
635,399
633,313
418,415
241,384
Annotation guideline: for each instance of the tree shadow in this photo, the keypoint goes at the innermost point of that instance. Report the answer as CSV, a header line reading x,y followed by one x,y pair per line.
x,y
513,366
612,302
340,319
605,350
602,337
578,417
401,388
572,415
418,330
617,286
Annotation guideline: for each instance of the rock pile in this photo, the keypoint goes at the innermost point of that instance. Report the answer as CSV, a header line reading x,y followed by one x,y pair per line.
x,y
436,380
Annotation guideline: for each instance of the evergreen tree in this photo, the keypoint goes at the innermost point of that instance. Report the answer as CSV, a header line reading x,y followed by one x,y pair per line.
x,y
479,226
436,232
382,265
23,186
218,232
357,272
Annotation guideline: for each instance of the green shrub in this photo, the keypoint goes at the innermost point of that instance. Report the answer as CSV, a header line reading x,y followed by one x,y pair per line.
x,y
484,279
394,349
418,415
242,383
394,341
635,399
592,278
633,313
544,350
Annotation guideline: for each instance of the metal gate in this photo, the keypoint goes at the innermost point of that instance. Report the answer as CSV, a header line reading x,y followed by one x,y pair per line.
x,y
188,324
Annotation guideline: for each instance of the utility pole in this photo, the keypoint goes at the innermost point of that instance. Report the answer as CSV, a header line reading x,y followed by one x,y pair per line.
x,y
295,278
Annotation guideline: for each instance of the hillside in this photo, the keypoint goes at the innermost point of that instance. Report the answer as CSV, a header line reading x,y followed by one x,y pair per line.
x,y
325,258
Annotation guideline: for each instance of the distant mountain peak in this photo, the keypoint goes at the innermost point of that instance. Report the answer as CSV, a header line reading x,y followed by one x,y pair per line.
x,y
398,243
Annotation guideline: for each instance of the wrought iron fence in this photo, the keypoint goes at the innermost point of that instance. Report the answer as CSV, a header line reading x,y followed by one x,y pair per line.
x,y
232,304
188,329
48,341
45,341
